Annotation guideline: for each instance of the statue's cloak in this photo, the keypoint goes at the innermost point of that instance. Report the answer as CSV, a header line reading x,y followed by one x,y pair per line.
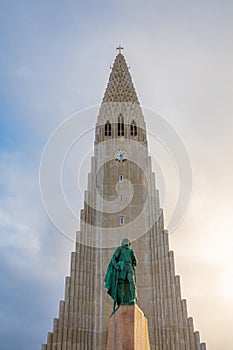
x,y
111,279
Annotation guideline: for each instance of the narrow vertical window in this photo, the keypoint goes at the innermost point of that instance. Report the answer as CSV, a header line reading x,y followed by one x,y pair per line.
x,y
122,220
120,125
121,199
121,178
133,129
108,128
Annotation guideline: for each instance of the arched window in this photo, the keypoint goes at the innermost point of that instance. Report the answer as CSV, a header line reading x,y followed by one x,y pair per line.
x,y
120,125
133,129
108,128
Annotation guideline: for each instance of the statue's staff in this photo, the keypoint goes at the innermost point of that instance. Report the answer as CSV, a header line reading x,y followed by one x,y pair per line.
x,y
116,283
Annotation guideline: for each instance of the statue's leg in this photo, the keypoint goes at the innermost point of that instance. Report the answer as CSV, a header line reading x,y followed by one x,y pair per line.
x,y
120,291
132,287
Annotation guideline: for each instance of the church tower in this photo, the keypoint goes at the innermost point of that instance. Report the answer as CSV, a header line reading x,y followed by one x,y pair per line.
x,y
121,200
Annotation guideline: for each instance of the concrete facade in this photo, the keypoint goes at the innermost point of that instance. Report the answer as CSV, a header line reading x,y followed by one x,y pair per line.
x,y
121,189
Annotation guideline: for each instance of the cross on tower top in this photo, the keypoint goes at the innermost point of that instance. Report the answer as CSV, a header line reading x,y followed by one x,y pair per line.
x,y
120,48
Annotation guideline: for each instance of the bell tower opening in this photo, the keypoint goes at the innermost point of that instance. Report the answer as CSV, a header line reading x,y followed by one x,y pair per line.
x,y
108,129
121,127
133,128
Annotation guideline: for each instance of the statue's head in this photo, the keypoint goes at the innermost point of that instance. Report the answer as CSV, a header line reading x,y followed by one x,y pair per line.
x,y
125,242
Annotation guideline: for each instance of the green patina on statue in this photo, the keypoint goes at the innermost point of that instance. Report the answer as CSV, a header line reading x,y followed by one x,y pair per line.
x,y
120,279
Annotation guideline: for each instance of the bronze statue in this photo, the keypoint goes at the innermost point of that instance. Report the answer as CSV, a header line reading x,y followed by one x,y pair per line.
x,y
120,279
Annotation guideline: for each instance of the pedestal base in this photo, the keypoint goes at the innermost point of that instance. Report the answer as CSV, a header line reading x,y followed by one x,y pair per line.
x,y
128,329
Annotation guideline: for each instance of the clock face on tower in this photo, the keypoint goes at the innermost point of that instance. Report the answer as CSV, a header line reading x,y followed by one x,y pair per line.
x,y
120,155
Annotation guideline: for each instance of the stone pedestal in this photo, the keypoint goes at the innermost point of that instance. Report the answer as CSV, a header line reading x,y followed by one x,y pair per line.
x,y
128,329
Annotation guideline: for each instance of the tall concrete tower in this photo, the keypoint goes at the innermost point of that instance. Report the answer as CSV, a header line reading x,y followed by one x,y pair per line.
x,y
121,201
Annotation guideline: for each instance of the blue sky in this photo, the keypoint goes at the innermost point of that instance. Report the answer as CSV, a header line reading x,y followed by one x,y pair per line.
x,y
55,59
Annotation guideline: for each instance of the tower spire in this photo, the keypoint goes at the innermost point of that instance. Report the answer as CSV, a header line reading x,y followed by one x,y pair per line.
x,y
120,87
